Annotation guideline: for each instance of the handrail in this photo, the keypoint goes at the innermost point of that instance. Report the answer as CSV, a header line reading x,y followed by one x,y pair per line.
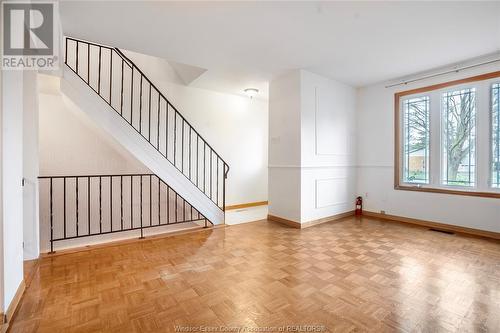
x,y
93,205
97,175
164,138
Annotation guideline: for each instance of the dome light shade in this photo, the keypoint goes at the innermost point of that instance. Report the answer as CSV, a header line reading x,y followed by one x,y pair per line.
x,y
251,92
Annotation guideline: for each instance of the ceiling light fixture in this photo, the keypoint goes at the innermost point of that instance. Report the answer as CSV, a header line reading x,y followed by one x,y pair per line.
x,y
251,92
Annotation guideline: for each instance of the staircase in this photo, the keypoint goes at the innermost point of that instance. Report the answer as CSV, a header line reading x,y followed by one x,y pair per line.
x,y
105,84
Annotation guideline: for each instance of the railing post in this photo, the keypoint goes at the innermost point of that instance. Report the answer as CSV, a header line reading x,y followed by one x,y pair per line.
x,y
217,183
211,173
226,171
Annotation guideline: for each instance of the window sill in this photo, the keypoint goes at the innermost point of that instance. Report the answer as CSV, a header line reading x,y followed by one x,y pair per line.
x,y
471,193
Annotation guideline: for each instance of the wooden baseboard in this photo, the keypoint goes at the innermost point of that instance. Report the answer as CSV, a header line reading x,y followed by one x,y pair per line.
x,y
281,220
14,303
435,225
246,205
308,224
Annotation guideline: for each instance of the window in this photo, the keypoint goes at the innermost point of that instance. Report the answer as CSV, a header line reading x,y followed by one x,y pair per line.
x,y
447,137
458,144
416,140
495,137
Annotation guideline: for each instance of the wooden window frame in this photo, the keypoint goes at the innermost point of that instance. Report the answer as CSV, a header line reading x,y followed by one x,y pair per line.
x,y
398,185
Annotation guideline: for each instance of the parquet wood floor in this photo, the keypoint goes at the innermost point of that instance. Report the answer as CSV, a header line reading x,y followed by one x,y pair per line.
x,y
354,275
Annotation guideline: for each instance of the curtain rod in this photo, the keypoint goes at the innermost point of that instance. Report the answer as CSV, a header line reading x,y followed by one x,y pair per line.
x,y
456,70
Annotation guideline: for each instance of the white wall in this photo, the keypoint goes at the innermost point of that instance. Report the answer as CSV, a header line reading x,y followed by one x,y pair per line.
x,y
236,127
71,144
284,147
30,166
2,304
375,151
328,147
12,174
312,147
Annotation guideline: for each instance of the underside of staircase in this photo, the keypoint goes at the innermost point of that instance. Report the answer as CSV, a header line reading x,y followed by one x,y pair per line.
x,y
188,176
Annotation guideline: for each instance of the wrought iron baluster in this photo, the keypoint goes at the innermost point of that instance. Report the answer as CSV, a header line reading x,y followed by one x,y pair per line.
x,y
111,203
142,235
88,64
149,115
121,202
99,73
77,211
51,219
64,206
77,56
110,76
88,203
121,90
140,108
100,204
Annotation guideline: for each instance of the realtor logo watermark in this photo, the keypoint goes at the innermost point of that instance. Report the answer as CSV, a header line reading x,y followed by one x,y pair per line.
x,y
30,36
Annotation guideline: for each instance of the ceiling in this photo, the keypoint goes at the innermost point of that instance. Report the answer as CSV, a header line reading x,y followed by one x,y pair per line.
x,y
246,44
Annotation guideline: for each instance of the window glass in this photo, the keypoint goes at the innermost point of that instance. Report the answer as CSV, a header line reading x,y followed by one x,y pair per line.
x,y
416,112
459,134
495,131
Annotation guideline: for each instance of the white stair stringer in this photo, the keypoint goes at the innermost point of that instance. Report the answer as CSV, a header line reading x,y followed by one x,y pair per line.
x,y
86,100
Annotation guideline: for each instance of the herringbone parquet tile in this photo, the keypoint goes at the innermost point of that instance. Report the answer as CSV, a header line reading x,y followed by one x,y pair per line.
x,y
349,276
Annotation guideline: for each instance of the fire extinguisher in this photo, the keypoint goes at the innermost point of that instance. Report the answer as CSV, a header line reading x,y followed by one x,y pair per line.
x,y
359,205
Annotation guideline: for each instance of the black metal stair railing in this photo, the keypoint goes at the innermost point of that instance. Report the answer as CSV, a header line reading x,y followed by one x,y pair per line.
x,y
92,205
124,87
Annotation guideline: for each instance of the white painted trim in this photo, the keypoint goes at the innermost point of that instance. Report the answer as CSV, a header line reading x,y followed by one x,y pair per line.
x,y
316,194
482,144
291,166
